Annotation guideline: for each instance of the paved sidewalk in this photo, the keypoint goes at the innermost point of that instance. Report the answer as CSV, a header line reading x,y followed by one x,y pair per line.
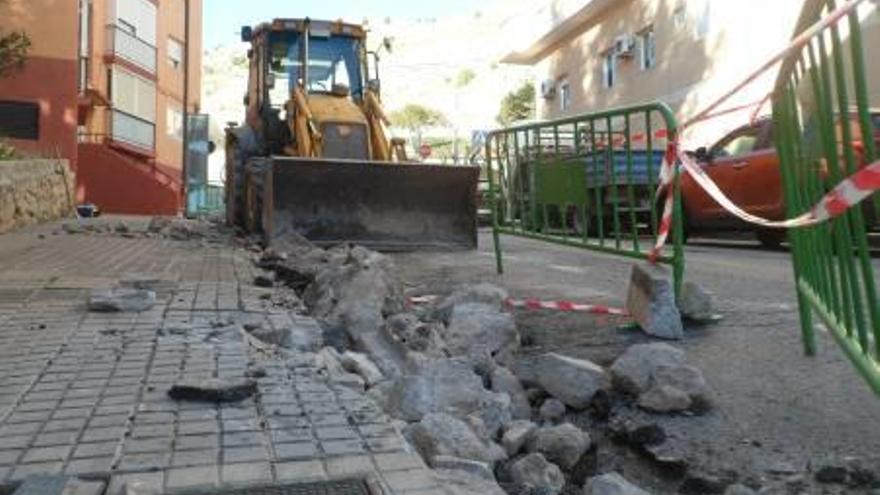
x,y
85,393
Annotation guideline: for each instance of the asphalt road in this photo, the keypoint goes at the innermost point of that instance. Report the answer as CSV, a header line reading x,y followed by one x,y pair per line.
x,y
778,414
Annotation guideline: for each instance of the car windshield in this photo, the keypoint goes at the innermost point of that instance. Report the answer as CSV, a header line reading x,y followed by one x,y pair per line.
x,y
333,61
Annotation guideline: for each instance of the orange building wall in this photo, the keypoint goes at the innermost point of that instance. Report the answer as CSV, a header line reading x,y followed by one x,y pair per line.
x,y
50,75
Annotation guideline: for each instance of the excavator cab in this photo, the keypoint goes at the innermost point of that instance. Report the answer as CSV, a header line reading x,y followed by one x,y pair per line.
x,y
314,157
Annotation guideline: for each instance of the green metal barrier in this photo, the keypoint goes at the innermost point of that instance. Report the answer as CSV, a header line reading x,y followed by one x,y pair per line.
x,y
587,181
824,131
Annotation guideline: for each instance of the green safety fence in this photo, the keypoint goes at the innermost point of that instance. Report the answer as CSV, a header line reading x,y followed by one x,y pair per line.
x,y
825,131
587,181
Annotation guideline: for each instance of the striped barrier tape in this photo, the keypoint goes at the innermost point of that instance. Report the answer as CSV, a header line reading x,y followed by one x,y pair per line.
x,y
847,194
567,306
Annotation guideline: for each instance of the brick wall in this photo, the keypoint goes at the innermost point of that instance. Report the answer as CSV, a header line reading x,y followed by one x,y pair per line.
x,y
33,191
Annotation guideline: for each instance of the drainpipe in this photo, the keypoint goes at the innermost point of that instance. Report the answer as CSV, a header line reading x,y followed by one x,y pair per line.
x,y
186,66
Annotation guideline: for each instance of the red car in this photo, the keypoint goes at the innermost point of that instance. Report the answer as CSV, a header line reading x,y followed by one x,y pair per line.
x,y
745,165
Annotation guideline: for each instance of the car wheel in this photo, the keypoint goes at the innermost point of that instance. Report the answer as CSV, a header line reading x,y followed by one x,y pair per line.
x,y
770,238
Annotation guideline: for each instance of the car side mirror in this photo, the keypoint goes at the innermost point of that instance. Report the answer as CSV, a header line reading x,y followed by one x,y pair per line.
x,y
703,155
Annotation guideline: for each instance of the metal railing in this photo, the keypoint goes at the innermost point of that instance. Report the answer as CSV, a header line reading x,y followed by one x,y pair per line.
x,y
129,47
587,181
823,127
132,130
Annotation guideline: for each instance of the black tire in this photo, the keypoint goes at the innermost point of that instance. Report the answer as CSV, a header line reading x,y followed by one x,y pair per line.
x,y
770,238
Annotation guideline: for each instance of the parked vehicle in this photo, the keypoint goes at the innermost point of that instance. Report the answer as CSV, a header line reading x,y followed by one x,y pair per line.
x,y
745,165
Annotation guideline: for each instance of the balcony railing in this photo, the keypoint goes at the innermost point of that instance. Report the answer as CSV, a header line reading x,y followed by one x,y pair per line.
x,y
128,129
129,47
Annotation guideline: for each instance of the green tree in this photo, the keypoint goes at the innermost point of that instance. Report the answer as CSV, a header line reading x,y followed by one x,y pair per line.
x,y
517,105
464,77
13,49
416,118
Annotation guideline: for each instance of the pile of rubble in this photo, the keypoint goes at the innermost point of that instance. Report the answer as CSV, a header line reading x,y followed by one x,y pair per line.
x,y
173,228
447,373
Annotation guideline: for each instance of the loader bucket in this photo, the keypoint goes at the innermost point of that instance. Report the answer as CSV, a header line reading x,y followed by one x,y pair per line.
x,y
388,207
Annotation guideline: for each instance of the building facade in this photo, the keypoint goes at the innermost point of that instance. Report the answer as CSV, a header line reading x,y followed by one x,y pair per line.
x,y
590,55
112,82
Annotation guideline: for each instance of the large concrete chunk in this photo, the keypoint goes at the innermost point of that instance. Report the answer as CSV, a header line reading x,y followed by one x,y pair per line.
x,y
658,375
121,300
535,474
696,303
362,365
651,302
444,435
573,381
516,435
356,293
411,334
483,293
436,385
463,482
611,484
481,332
562,445
631,372
503,381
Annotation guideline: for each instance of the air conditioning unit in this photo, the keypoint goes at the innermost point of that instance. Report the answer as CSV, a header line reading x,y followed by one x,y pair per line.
x,y
624,46
548,89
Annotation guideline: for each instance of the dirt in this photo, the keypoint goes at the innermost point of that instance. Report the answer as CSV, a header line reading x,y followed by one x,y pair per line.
x,y
777,415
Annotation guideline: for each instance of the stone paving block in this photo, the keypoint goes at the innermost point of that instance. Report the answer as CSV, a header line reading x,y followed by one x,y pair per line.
x,y
244,454
99,449
57,438
200,476
197,442
47,454
300,471
144,462
349,465
183,458
136,484
336,433
413,479
343,447
8,457
246,473
17,429
64,424
296,451
101,434
143,446
398,461
93,466
24,470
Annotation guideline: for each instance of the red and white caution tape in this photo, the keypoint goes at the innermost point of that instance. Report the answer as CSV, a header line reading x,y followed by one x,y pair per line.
x,y
847,194
567,306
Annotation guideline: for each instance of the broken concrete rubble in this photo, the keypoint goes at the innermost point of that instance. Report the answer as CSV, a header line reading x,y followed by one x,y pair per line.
x,y
482,293
535,474
481,332
213,390
503,381
516,435
611,484
476,468
121,300
631,372
573,381
552,410
696,303
439,434
463,482
657,374
360,364
651,302
435,385
410,333
562,445
330,362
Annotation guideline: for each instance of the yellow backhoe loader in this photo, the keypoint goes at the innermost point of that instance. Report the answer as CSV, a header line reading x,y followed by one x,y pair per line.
x,y
314,157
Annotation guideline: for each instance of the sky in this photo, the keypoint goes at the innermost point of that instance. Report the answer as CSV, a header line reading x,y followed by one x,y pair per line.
x,y
224,18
